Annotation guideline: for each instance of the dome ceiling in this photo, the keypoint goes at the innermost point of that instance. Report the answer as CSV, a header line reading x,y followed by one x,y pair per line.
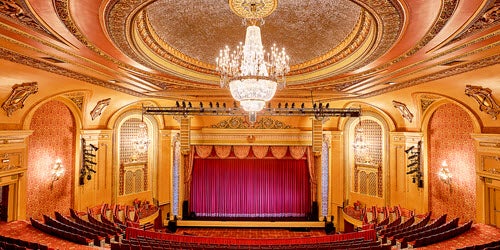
x,y
339,49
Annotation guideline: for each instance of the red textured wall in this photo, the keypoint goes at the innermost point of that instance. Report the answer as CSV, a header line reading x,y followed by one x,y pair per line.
x,y
53,137
449,139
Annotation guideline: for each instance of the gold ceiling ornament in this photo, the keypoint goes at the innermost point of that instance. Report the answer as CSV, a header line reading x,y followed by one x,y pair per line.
x,y
253,9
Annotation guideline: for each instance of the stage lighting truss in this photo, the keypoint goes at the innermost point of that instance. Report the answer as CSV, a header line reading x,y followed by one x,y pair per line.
x,y
318,110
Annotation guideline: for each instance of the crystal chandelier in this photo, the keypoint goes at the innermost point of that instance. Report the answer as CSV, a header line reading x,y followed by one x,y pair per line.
x,y
359,144
252,74
141,142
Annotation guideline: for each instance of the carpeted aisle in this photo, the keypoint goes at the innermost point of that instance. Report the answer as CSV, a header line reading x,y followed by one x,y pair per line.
x,y
24,231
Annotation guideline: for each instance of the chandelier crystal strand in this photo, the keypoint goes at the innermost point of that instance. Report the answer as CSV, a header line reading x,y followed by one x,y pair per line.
x,y
251,74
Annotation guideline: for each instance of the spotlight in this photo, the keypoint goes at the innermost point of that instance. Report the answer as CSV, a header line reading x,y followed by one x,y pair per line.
x,y
286,105
190,105
211,105
327,105
293,105
177,104
183,104
279,105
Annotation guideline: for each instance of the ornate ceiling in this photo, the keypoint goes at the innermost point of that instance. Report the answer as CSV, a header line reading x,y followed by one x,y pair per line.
x,y
167,48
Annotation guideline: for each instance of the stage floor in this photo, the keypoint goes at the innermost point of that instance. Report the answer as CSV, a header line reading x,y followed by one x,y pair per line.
x,y
251,224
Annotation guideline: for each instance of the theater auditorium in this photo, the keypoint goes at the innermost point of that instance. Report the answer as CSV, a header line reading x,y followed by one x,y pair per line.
x,y
249,124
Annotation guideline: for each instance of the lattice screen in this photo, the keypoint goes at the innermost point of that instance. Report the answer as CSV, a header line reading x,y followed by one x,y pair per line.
x,y
129,183
372,184
362,182
128,133
369,183
132,180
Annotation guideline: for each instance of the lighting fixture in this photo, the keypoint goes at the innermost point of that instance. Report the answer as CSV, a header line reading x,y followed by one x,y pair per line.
x,y
444,173
319,112
252,75
141,142
359,144
57,171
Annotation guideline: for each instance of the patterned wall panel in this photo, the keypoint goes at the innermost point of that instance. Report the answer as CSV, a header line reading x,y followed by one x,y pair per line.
x,y
133,168
53,137
449,139
371,157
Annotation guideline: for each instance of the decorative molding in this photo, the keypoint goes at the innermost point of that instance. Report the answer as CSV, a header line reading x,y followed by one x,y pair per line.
x,y
490,17
13,10
446,12
241,123
24,60
99,107
19,94
77,98
485,100
403,109
278,137
11,161
462,68
119,12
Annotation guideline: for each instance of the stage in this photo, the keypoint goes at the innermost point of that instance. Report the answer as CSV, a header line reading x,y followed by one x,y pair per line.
x,y
251,224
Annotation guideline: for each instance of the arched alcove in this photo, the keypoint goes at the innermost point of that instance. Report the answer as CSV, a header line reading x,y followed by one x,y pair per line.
x,y
367,169
54,137
134,171
448,134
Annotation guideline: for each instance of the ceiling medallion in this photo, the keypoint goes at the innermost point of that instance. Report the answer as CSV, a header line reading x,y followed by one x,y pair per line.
x,y
253,8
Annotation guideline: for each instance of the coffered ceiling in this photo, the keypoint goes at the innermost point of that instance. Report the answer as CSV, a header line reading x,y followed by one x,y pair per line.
x,y
339,49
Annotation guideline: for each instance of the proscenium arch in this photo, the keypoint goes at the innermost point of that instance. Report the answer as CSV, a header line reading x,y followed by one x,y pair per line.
x,y
426,117
153,134
347,125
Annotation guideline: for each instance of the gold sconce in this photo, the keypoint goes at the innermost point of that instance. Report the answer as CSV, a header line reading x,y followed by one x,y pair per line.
x,y
57,172
444,174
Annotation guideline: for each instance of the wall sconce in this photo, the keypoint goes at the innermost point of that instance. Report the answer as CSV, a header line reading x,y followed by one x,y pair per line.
x,y
444,173
57,172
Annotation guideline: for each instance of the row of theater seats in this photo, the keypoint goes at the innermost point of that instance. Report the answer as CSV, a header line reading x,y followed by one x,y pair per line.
x,y
431,239
389,232
18,244
421,233
141,243
494,245
79,230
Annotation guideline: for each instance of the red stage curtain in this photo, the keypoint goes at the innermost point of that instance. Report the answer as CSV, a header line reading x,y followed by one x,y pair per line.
x,y
250,188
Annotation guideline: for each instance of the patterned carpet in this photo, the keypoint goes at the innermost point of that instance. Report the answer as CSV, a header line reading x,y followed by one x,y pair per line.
x,y
478,234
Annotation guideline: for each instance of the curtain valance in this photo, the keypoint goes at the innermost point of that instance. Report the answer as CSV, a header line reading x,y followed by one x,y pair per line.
x,y
243,151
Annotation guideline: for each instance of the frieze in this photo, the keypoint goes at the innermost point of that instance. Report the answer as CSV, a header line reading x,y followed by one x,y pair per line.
x,y
241,123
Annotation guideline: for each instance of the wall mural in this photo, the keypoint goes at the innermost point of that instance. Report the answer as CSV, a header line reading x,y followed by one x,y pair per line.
x,y
450,140
53,138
